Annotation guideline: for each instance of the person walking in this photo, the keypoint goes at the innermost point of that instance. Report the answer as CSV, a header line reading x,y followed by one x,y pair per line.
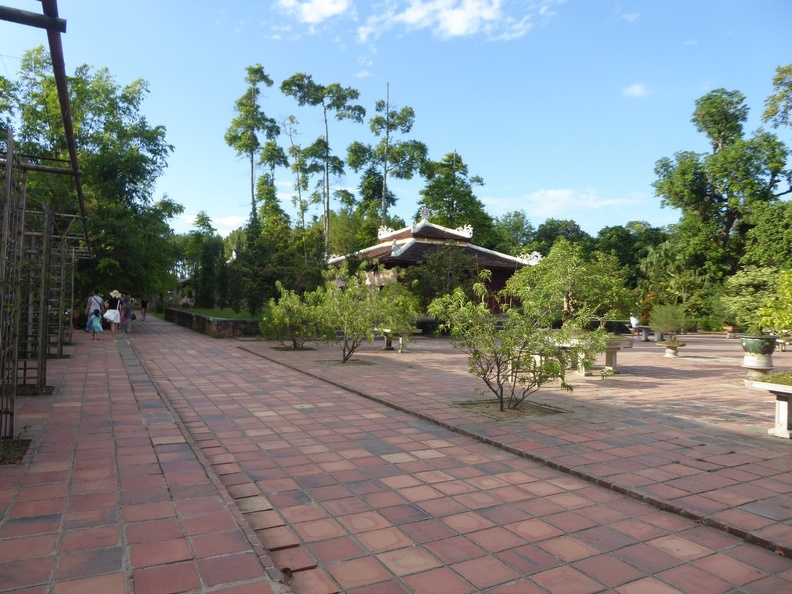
x,y
128,313
95,302
113,313
144,308
96,324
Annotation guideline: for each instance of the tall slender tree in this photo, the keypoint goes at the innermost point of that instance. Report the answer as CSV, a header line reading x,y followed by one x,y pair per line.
x,y
401,159
331,98
251,121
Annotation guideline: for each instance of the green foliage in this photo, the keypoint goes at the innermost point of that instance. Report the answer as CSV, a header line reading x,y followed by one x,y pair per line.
x,y
448,194
778,105
566,285
553,230
293,319
668,318
514,353
250,121
718,193
720,115
399,159
445,269
205,254
745,292
769,242
514,233
354,306
398,307
630,244
121,156
331,98
776,311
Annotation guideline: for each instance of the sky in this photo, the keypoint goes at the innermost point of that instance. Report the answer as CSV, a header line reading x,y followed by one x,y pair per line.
x,y
563,107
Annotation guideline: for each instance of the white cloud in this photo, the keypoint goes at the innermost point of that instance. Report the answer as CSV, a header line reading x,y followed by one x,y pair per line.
x,y
314,12
496,19
559,203
637,90
630,17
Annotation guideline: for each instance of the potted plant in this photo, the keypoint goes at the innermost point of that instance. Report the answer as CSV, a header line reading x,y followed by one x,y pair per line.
x,y
731,329
744,298
668,319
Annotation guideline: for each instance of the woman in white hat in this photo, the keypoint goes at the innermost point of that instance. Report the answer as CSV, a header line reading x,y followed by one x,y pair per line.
x,y
113,313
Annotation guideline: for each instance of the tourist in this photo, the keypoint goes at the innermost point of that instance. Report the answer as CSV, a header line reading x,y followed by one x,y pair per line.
x,y
94,302
113,313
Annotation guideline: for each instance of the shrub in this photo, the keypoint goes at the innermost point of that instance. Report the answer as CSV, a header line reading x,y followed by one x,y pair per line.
x,y
355,307
668,319
292,319
515,353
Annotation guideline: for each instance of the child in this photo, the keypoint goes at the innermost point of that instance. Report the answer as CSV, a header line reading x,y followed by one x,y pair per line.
x,y
96,325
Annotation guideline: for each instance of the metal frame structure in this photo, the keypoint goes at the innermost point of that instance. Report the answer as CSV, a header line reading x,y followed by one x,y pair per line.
x,y
40,249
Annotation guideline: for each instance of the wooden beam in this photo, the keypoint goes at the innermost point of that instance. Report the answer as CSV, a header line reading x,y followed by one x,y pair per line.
x,y
24,17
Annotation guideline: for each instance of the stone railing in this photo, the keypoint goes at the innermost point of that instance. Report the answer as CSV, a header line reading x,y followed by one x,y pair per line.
x,y
215,327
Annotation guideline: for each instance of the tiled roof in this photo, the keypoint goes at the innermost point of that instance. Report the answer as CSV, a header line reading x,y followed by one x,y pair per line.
x,y
411,245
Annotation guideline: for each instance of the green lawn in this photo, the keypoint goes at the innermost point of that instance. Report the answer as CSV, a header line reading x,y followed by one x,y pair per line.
x,y
222,313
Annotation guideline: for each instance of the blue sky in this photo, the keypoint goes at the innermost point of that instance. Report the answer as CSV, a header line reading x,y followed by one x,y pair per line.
x,y
562,107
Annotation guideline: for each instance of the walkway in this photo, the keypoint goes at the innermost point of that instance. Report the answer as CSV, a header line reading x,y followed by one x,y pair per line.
x,y
170,462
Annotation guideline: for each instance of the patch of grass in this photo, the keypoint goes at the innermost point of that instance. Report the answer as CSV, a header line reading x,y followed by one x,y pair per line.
x,y
223,313
13,450
784,378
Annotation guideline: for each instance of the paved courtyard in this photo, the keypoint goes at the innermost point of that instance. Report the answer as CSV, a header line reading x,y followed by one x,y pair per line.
x,y
167,461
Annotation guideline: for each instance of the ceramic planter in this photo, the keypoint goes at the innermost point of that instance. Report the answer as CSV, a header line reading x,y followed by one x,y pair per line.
x,y
757,354
671,348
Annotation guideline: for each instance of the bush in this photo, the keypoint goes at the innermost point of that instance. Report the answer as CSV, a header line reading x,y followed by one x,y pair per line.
x,y
513,354
355,307
668,319
292,319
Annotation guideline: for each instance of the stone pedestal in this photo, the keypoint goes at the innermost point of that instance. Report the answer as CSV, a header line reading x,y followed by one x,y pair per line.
x,y
782,394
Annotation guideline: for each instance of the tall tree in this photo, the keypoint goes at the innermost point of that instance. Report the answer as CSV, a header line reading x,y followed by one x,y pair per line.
x,y
448,194
205,250
552,230
514,231
716,193
401,159
331,98
778,106
251,121
629,243
121,156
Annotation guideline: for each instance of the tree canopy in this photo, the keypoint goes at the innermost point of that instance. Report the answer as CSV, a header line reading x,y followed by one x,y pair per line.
x,y
121,156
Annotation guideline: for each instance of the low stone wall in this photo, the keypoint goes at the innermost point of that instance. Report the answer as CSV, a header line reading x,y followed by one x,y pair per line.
x,y
215,327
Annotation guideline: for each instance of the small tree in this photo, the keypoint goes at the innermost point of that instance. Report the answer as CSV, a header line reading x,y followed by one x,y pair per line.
x,y
515,353
354,307
576,288
398,308
668,318
745,292
776,312
293,319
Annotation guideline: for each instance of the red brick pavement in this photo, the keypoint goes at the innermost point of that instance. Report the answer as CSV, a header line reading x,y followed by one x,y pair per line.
x,y
179,463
